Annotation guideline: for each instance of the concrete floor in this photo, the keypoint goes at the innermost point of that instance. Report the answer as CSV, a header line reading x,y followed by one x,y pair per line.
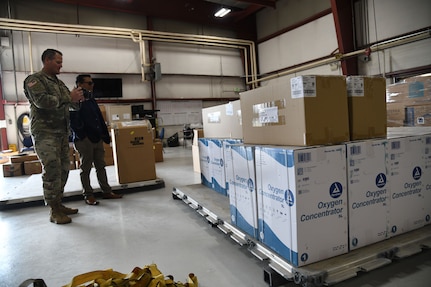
x,y
149,227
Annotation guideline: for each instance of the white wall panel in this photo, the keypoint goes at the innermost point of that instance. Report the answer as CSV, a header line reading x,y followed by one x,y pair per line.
x,y
389,18
196,60
313,40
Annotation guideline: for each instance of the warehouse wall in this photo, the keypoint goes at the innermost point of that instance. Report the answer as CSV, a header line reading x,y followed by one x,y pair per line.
x,y
374,20
197,72
213,72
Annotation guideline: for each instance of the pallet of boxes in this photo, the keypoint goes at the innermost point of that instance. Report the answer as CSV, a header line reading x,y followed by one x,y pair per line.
x,y
317,176
409,102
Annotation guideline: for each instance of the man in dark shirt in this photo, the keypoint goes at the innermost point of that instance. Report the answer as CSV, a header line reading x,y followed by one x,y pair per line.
x,y
89,131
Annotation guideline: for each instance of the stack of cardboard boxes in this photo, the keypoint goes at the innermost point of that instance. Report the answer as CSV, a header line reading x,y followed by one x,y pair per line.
x,y
317,176
22,164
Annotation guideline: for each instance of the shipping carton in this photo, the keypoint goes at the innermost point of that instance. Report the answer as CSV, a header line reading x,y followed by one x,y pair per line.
x,y
204,162
158,150
405,169
367,107
132,146
273,200
12,169
23,157
32,167
308,110
118,113
223,121
242,187
317,181
427,176
368,192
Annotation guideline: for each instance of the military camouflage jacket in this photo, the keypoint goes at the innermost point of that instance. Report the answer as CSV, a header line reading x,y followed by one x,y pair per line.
x,y
49,104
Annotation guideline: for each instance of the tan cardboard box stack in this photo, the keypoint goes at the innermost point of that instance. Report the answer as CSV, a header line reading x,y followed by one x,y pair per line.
x,y
132,144
409,102
308,110
18,163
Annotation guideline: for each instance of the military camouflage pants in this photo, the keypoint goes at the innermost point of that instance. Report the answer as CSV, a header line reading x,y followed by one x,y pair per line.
x,y
53,152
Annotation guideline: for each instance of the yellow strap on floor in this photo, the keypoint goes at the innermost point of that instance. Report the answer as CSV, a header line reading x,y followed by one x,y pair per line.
x,y
88,278
149,276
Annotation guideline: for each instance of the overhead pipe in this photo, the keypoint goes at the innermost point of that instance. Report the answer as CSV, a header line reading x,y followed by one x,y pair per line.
x,y
338,57
136,35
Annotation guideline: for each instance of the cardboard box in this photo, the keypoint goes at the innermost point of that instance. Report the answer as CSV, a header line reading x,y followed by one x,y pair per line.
x,y
103,111
302,201
23,157
368,192
273,199
427,176
118,113
242,187
195,156
32,167
158,151
367,107
132,145
308,110
405,165
396,114
204,162
412,91
419,116
197,134
318,200
223,121
109,155
12,169
217,168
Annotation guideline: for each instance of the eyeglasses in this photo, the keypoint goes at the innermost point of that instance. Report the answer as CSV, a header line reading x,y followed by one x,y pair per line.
x,y
90,83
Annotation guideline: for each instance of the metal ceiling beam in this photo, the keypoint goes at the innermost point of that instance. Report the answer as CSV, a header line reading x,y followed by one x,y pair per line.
x,y
265,3
343,14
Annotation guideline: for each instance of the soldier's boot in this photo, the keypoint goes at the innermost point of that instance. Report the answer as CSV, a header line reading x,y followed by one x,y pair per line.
x,y
67,210
57,215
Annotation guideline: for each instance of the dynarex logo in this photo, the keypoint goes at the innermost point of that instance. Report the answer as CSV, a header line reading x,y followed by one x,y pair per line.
x,y
208,159
380,180
336,190
417,173
288,197
250,185
221,162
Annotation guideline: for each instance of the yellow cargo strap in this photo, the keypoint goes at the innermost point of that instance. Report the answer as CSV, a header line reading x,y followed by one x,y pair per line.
x,y
149,276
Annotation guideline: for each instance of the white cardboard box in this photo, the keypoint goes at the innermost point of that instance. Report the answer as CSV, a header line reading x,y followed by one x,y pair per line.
x,y
427,177
368,192
273,199
217,169
204,162
405,168
317,180
242,188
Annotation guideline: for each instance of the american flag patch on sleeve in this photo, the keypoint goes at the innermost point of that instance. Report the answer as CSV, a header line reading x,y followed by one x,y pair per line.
x,y
32,83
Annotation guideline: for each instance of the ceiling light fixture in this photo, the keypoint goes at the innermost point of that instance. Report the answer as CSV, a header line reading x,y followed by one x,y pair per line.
x,y
222,12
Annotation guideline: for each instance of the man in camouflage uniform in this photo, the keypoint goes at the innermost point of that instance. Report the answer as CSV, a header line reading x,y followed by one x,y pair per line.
x,y
50,101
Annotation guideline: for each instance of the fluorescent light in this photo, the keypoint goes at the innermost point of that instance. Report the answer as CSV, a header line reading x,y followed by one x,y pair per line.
x,y
222,12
